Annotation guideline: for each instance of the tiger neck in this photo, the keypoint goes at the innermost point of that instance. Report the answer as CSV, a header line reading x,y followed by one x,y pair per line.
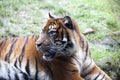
x,y
64,67
82,54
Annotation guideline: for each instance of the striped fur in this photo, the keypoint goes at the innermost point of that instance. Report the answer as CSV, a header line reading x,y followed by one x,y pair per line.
x,y
22,54
8,72
60,53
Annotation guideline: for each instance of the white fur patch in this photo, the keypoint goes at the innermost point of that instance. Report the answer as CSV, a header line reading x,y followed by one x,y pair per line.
x,y
64,39
8,72
44,76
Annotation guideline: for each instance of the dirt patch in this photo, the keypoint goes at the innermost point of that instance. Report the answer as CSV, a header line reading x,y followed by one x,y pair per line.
x,y
108,43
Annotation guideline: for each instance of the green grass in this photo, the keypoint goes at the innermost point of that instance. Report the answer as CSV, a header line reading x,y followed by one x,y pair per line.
x,y
98,53
27,17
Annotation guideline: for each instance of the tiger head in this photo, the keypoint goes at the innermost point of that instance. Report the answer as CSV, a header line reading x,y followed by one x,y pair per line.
x,y
59,37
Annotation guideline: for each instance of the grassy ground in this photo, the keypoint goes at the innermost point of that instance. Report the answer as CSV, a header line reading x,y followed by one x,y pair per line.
x,y
26,17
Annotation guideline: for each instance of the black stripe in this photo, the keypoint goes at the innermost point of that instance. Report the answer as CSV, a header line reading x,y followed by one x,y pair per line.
x,y
67,36
33,36
77,59
103,77
23,52
25,76
9,74
97,76
10,51
81,40
87,78
15,63
2,44
5,40
74,70
27,67
86,52
62,34
16,76
84,75
7,70
36,65
84,69
73,27
58,32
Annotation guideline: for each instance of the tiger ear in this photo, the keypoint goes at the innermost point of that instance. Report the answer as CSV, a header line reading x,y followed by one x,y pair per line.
x,y
68,22
50,16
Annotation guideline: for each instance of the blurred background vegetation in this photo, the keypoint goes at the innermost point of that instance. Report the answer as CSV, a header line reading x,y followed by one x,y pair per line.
x,y
27,17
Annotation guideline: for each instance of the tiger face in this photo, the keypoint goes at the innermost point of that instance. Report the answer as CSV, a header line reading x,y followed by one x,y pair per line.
x,y
57,38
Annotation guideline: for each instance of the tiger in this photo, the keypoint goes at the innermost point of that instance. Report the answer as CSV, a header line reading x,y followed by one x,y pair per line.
x,y
60,52
61,40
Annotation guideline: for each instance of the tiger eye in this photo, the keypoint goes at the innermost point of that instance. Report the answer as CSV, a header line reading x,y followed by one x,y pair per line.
x,y
51,33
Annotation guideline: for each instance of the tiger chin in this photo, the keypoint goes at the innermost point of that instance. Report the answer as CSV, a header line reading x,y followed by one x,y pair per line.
x,y
61,38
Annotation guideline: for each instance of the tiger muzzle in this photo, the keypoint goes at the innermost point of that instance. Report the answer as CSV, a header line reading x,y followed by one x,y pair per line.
x,y
51,48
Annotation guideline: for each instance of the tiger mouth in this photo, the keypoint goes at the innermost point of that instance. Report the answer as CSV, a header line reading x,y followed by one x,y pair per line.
x,y
48,56
52,52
